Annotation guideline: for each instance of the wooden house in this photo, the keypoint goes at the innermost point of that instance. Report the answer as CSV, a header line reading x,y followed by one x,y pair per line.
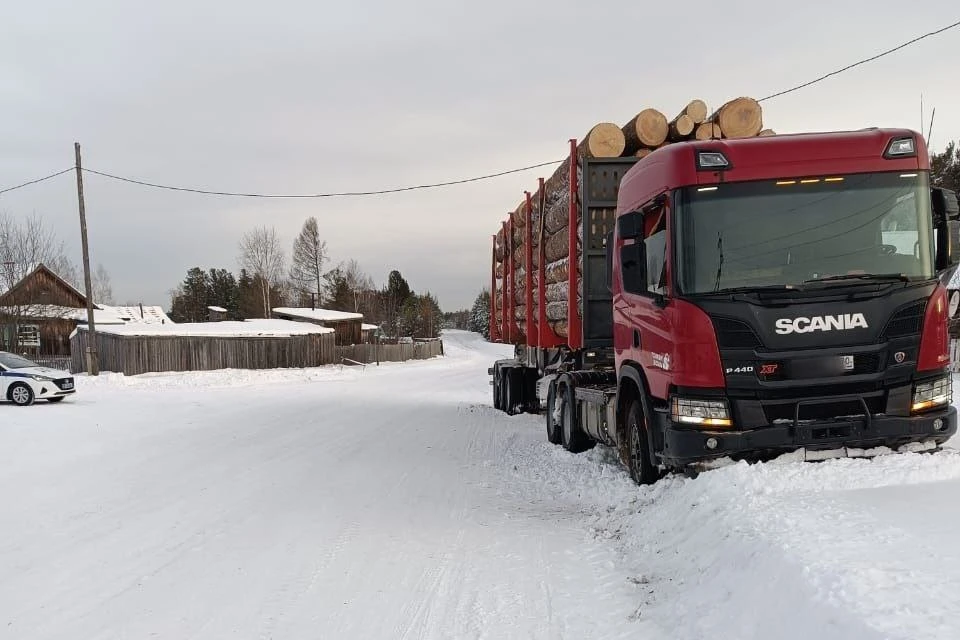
x,y
348,326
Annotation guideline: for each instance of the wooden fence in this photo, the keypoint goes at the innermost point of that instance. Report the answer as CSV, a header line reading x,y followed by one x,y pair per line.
x,y
133,355
369,353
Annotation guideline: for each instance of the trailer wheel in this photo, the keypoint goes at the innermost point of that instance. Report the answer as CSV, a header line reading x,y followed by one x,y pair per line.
x,y
572,437
510,391
553,425
638,461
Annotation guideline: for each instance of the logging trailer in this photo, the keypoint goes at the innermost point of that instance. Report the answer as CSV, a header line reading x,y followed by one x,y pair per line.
x,y
735,299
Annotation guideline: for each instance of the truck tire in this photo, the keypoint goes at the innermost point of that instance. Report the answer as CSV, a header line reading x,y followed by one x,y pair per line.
x,y
572,437
497,401
511,390
553,426
638,446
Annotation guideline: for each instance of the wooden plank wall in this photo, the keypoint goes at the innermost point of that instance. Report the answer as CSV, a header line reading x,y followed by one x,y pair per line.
x,y
367,353
134,355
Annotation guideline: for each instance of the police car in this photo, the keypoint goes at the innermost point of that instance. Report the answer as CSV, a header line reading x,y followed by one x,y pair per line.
x,y
22,381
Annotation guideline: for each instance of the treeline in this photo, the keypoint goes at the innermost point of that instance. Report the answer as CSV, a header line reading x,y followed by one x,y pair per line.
x,y
265,282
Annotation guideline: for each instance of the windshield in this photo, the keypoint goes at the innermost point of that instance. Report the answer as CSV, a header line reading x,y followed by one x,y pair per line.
x,y
13,361
788,232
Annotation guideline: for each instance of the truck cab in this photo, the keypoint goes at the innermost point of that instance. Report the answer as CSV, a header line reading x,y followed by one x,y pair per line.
x,y
780,293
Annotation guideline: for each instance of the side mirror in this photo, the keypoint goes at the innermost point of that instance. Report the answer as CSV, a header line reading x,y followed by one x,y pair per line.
x,y
945,205
630,226
946,220
633,267
953,249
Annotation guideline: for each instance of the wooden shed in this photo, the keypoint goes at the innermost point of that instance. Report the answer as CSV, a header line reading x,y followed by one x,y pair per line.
x,y
348,326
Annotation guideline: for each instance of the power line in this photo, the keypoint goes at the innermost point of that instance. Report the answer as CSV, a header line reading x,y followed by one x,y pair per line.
x,y
451,182
26,184
320,195
860,62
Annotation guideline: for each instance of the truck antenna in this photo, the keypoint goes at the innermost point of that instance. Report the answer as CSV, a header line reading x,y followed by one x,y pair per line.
x,y
930,130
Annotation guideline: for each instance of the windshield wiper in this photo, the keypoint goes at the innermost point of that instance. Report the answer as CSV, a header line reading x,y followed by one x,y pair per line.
x,y
751,289
861,276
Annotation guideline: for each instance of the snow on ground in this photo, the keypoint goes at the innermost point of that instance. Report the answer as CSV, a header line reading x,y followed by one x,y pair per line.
x,y
393,502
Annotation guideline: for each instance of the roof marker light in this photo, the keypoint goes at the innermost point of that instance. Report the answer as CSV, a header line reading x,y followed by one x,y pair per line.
x,y
707,189
810,181
712,160
908,175
901,148
781,183
833,179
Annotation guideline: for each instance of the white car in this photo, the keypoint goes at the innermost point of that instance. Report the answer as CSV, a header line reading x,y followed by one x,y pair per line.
x,y
22,381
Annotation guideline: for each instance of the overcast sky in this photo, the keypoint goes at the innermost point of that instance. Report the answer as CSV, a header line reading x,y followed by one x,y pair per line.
x,y
318,97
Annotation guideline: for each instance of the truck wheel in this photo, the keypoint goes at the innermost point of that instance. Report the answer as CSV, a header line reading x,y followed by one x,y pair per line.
x,y
573,439
553,425
638,446
497,402
509,392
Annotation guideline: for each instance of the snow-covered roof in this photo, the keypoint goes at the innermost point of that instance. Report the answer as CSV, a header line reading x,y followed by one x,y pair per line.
x,y
229,329
328,315
368,327
151,314
54,312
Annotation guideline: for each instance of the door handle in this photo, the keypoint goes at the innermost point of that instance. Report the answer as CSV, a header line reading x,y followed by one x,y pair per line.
x,y
636,338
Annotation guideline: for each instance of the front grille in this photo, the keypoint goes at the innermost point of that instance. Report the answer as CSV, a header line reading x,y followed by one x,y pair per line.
x,y
834,409
735,334
906,321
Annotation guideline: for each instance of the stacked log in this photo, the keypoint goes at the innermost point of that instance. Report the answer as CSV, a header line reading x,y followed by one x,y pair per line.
x,y
644,133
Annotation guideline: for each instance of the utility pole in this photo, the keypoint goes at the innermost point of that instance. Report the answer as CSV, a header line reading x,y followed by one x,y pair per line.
x,y
93,364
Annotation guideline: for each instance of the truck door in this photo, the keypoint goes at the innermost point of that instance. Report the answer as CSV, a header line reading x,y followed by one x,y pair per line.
x,y
641,279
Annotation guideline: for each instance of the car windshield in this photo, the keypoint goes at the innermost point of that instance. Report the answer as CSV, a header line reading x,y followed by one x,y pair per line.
x,y
13,361
787,232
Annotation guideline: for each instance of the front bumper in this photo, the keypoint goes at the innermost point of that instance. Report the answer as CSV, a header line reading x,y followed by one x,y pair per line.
x,y
684,446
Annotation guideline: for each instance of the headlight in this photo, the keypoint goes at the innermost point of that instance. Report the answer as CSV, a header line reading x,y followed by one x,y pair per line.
x,y
927,395
708,413
41,378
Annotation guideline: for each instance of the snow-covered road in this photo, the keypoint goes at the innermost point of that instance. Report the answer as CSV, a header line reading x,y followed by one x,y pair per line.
x,y
393,502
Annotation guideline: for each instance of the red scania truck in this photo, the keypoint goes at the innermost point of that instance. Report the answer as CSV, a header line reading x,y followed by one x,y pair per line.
x,y
740,298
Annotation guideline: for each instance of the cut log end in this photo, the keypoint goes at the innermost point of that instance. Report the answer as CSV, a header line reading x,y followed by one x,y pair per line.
x,y
652,127
605,140
696,110
681,127
766,132
739,118
708,131
643,153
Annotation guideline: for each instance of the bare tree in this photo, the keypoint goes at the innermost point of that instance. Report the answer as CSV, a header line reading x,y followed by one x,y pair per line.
x,y
309,255
358,281
25,244
102,289
262,257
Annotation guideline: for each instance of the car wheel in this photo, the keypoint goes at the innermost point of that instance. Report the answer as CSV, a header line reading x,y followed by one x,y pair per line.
x,y
21,394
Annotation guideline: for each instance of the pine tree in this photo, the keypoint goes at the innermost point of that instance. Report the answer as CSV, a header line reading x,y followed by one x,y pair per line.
x,y
480,317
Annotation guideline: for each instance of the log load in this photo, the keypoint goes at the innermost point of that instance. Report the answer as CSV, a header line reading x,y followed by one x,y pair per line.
x,y
647,131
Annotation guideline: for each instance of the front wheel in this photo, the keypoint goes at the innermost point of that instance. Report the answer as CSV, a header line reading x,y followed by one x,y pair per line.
x,y
638,447
21,394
